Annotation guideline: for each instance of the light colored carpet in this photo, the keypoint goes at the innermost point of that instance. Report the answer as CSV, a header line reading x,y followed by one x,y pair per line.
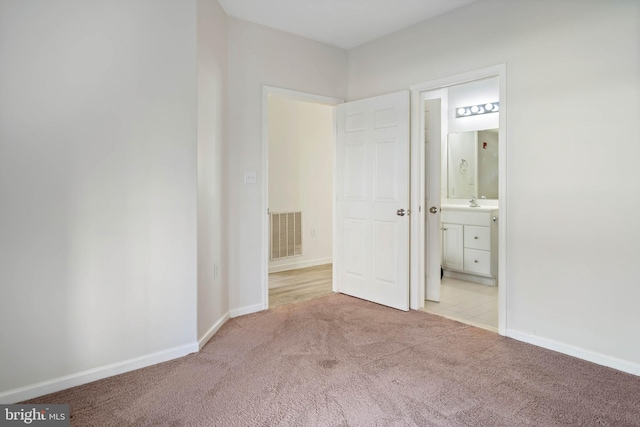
x,y
341,361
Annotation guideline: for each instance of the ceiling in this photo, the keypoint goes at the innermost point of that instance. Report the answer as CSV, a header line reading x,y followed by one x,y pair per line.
x,y
342,23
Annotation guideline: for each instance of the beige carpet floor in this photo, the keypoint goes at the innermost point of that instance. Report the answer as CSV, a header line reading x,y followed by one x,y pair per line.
x,y
340,361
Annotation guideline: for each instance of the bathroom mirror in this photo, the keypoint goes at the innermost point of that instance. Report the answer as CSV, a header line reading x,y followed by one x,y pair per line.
x,y
472,164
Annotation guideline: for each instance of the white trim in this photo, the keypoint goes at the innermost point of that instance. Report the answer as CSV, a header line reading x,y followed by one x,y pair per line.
x,y
580,353
249,309
483,73
461,275
502,201
264,259
334,212
301,96
290,94
416,200
90,375
417,187
299,264
207,336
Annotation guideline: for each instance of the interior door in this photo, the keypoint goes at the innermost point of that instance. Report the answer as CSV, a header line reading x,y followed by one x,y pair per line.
x,y
435,108
372,206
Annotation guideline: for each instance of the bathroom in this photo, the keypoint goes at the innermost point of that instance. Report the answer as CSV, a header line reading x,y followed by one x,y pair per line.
x,y
462,149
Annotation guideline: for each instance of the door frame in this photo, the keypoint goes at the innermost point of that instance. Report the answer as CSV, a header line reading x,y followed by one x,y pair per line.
x,y
418,175
298,96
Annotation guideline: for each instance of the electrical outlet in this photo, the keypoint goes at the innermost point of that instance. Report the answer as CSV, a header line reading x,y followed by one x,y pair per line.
x,y
250,177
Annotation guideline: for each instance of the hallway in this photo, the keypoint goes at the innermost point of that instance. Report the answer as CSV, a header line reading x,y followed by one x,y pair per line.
x,y
304,284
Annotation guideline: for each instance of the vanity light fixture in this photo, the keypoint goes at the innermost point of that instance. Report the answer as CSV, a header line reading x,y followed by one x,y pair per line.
x,y
475,110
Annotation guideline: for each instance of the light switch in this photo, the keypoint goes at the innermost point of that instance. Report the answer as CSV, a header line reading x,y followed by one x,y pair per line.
x,y
250,177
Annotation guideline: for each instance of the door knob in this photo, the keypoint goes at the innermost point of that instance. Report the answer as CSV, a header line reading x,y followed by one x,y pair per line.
x,y
400,212
433,210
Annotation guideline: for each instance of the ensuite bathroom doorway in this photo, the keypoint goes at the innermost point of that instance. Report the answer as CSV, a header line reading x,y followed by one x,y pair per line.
x,y
462,146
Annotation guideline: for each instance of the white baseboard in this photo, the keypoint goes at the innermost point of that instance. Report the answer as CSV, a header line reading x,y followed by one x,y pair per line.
x,y
90,375
207,336
246,310
299,264
580,353
488,281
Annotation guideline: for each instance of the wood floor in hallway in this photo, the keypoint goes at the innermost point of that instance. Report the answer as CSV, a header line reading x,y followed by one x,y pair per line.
x,y
304,284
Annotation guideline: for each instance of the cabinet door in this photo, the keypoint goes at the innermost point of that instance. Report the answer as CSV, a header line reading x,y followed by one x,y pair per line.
x,y
452,246
477,237
477,261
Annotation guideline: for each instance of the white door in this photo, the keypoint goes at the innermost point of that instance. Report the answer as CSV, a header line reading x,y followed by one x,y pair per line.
x,y
372,217
435,108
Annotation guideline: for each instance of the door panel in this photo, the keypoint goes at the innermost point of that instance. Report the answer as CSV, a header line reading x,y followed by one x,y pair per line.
x,y
354,245
386,236
372,259
354,173
452,246
385,188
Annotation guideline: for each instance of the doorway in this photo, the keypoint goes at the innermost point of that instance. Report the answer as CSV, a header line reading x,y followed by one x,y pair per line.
x,y
299,158
418,206
461,234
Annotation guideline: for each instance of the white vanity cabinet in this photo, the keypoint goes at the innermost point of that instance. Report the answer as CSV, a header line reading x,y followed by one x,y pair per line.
x,y
452,246
470,243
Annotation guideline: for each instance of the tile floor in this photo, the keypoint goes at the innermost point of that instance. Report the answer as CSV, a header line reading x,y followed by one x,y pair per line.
x,y
467,302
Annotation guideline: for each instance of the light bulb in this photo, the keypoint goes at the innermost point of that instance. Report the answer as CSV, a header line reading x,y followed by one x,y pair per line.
x,y
495,107
489,107
461,111
475,109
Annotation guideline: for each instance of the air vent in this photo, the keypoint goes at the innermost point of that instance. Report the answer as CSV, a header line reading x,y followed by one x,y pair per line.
x,y
286,235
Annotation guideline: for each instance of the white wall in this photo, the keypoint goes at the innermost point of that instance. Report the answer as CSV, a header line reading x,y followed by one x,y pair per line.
x,y
573,91
301,155
213,290
262,56
98,189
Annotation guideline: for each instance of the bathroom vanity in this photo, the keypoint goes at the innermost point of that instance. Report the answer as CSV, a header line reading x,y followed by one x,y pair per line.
x,y
470,243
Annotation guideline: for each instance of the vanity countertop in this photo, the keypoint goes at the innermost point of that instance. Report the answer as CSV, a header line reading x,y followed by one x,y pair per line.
x,y
469,208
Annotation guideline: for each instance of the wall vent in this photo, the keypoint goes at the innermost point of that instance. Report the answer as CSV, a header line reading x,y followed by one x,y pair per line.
x,y
286,235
